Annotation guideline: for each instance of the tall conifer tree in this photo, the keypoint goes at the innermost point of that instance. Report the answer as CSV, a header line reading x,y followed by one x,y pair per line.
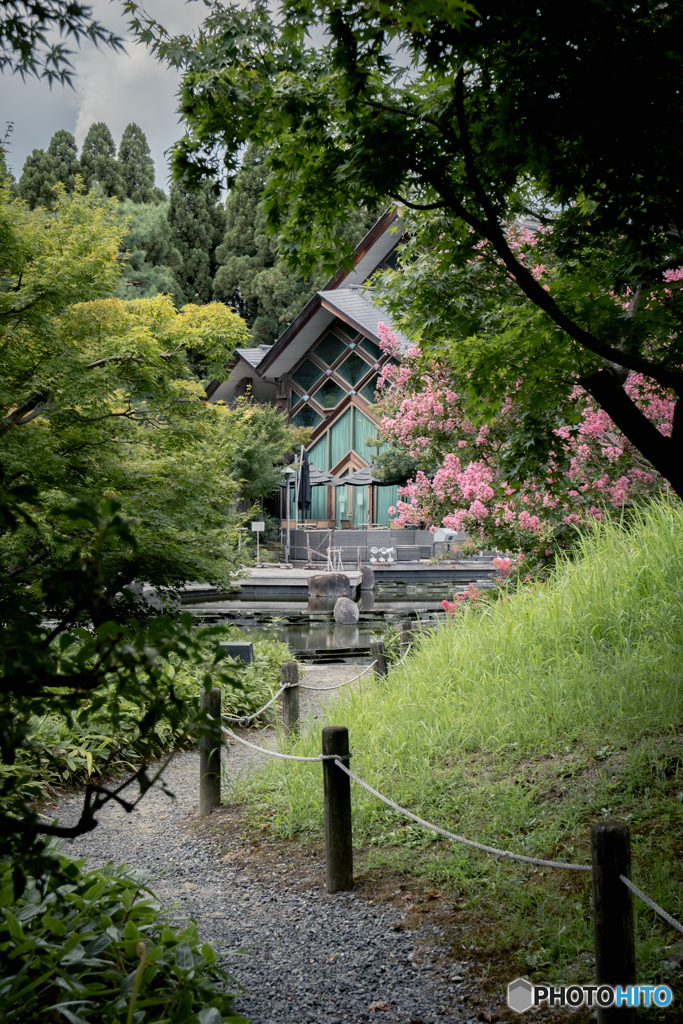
x,y
198,222
5,171
99,163
137,167
44,169
251,276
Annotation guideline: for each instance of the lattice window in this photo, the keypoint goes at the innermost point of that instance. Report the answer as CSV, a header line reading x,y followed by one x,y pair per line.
x,y
307,375
347,331
353,369
371,348
329,349
306,417
369,391
329,395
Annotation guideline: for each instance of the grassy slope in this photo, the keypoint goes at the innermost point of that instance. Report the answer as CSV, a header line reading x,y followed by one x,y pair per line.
x,y
519,727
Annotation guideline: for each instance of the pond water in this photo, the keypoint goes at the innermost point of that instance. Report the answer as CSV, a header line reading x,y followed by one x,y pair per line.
x,y
311,632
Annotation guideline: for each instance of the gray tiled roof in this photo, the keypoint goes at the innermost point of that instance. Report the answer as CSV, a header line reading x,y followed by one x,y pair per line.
x,y
355,303
253,355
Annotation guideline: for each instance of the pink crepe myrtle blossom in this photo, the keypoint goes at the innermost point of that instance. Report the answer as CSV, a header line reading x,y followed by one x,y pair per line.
x,y
461,486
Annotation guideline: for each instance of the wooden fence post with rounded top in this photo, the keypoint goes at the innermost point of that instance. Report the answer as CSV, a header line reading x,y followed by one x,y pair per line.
x,y
378,655
290,697
337,795
210,744
615,957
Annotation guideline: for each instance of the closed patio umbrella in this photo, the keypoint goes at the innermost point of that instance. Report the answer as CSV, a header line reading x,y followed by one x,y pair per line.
x,y
305,482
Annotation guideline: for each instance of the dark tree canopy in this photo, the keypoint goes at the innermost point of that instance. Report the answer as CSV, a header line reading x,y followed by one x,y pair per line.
x,y
252,276
136,166
484,116
99,164
197,223
149,257
43,170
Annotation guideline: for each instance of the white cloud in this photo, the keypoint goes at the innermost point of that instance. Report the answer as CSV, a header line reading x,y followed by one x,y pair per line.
x,y
111,87
121,88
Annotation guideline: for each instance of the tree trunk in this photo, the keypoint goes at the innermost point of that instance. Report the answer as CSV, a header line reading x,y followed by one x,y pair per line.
x,y
664,453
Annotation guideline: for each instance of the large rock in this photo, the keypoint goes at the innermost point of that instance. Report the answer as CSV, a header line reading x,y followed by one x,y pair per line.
x,y
146,598
346,612
329,584
368,574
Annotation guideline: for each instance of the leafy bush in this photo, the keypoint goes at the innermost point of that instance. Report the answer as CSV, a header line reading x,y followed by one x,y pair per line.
x,y
73,747
258,681
99,949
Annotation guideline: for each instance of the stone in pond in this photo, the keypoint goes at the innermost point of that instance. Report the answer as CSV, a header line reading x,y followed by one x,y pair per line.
x,y
329,584
346,612
368,575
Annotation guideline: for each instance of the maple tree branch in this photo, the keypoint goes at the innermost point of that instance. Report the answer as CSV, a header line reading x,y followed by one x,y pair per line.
x,y
492,230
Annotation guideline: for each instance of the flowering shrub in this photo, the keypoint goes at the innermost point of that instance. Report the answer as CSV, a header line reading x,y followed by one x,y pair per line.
x,y
592,468
472,597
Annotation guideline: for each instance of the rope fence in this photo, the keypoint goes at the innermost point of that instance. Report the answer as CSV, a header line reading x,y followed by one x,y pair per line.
x,y
250,718
651,904
344,682
245,719
495,851
461,839
610,841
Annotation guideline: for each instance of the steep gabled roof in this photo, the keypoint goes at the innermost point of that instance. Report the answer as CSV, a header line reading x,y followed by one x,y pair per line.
x,y
355,307
243,361
352,305
342,292
253,356
382,237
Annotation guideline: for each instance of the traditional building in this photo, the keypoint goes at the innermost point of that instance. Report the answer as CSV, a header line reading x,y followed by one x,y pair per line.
x,y
322,372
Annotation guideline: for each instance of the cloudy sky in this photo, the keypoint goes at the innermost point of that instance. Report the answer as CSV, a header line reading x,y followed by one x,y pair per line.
x,y
110,87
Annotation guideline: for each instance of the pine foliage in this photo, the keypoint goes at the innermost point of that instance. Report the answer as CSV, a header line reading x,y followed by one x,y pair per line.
x,y
136,166
150,260
44,169
197,222
99,163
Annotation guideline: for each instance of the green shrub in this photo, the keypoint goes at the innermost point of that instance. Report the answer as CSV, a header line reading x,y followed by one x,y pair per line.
x,y
258,681
71,748
99,949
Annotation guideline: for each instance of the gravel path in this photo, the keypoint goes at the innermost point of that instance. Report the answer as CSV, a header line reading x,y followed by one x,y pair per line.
x,y
311,958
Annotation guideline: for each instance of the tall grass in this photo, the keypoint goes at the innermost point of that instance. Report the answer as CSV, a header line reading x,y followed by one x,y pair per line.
x,y
518,725
594,656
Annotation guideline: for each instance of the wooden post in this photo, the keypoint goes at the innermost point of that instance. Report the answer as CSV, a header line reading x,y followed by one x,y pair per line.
x,y
210,754
377,654
615,958
406,635
290,697
337,793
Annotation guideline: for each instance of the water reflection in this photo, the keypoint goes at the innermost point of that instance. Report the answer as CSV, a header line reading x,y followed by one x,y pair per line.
x,y
344,636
